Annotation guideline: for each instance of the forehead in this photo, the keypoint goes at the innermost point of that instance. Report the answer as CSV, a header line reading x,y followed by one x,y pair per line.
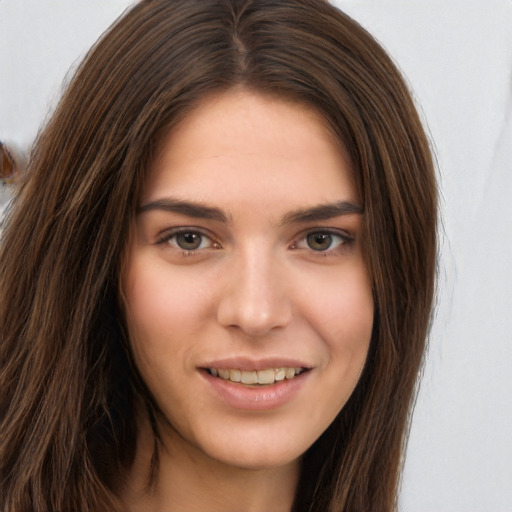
x,y
244,146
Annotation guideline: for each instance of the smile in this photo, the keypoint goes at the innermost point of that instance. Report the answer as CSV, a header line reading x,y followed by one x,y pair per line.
x,y
254,377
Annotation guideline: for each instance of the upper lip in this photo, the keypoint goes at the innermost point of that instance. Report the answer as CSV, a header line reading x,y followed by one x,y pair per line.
x,y
249,364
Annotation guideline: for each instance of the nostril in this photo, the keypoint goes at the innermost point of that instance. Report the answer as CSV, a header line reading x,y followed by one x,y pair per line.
x,y
254,319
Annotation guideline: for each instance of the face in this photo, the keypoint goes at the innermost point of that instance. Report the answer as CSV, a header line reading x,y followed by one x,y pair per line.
x,y
248,304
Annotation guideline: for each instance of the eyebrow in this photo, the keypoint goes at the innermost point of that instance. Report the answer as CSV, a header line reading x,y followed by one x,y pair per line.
x,y
188,208
323,212
199,210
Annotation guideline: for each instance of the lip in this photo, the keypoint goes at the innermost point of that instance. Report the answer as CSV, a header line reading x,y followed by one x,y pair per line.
x,y
257,398
247,364
261,398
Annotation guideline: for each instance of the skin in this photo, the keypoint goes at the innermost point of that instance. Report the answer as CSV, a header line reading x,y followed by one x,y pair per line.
x,y
251,289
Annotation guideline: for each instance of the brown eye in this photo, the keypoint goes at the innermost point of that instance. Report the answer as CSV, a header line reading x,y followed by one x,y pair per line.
x,y
189,241
319,241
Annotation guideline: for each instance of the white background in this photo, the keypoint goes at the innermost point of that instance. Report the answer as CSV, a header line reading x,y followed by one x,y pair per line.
x,y
457,57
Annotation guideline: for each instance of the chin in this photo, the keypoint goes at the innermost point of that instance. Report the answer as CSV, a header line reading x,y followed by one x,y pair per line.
x,y
256,454
258,461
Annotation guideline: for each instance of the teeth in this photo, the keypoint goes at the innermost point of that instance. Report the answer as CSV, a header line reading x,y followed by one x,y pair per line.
x,y
279,374
249,377
223,374
266,376
235,375
290,373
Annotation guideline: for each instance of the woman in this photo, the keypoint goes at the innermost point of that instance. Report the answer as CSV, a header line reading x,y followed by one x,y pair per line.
x,y
217,277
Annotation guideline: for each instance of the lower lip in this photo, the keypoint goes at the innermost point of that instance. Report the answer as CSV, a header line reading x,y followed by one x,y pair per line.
x,y
259,398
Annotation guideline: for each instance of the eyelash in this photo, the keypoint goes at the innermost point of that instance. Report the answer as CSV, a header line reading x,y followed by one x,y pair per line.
x,y
169,235
343,242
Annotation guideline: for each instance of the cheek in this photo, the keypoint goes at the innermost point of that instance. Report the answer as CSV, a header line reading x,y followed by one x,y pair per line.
x,y
341,313
342,309
162,317
159,299
163,313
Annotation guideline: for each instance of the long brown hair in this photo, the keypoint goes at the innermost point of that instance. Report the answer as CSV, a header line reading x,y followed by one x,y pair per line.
x,y
68,387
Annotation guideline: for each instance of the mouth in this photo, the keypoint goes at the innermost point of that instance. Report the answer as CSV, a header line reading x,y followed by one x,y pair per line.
x,y
264,377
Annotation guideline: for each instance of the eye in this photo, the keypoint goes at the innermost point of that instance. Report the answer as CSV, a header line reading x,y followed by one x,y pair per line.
x,y
319,241
322,241
187,240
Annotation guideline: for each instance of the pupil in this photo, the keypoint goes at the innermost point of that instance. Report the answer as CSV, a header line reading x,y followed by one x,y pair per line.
x,y
319,241
188,241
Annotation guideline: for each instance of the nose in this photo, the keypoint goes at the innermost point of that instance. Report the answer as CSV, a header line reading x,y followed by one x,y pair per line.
x,y
255,296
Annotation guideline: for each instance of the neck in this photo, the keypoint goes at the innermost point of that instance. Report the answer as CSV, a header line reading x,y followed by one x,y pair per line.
x,y
190,481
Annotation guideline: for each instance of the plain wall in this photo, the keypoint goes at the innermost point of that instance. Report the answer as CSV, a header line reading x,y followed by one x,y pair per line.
x,y
457,57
